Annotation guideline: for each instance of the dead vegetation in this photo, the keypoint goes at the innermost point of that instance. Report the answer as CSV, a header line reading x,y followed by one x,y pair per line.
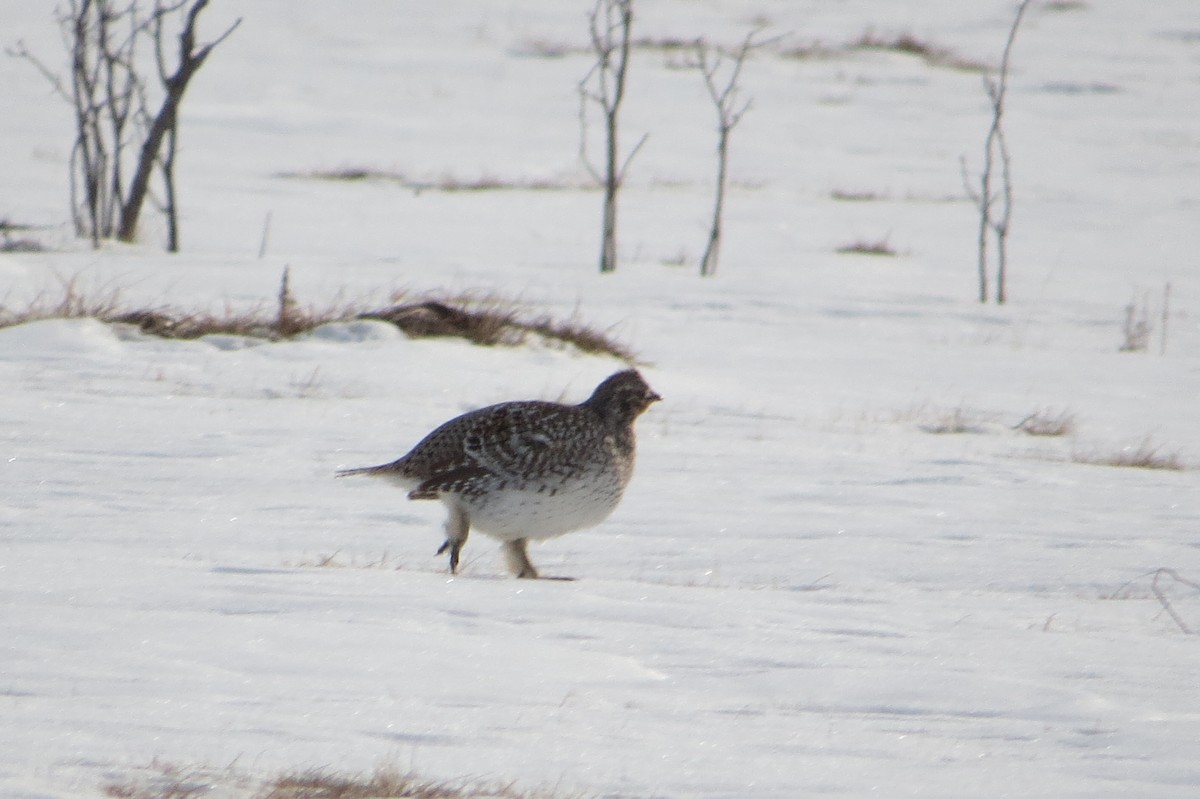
x,y
492,321
486,320
856,196
1043,423
381,784
445,183
168,781
1163,583
1145,455
902,43
955,421
908,44
1047,424
879,247
13,240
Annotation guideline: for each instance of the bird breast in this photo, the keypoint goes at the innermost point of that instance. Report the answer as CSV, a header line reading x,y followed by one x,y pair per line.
x,y
542,510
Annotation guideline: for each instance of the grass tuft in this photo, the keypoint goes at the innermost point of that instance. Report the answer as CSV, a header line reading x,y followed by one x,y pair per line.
x,y
880,247
382,784
953,422
1048,424
445,183
491,321
908,44
1146,455
856,196
166,781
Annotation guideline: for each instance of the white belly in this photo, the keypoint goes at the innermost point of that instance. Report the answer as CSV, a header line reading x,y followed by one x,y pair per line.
x,y
512,514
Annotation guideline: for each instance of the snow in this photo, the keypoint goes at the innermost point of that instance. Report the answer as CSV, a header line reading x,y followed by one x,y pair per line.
x,y
804,591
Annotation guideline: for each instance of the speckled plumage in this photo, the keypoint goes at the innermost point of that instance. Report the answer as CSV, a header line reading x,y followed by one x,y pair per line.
x,y
527,470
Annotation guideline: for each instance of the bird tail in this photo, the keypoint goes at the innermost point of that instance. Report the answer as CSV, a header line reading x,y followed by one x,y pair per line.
x,y
374,470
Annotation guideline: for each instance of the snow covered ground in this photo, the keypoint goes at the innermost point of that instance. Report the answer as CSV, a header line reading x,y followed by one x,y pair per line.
x,y
806,591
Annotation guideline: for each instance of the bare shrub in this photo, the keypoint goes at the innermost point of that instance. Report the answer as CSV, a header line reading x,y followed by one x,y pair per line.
x,y
120,140
1138,327
610,24
730,109
1159,587
995,206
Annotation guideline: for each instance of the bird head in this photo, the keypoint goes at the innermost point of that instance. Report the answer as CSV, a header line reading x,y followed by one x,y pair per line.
x,y
622,397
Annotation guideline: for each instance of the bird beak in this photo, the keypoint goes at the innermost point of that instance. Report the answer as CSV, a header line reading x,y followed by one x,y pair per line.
x,y
653,397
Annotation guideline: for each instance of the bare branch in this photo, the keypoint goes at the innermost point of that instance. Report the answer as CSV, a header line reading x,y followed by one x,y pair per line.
x,y
995,146
162,126
730,110
609,25
109,98
632,152
22,52
1156,577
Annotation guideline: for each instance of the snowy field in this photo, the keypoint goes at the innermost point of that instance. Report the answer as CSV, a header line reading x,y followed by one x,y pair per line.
x,y
808,591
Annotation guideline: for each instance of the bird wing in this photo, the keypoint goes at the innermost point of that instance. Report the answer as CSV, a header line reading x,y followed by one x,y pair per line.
x,y
513,445
459,480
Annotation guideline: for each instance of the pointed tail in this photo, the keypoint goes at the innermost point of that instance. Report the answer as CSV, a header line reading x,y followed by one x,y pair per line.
x,y
374,470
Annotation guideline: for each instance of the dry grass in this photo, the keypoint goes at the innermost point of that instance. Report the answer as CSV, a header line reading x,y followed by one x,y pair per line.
x,y
70,302
1049,424
485,320
166,781
334,560
1064,5
676,46
543,48
881,247
445,183
908,44
11,241
903,43
956,421
856,196
1146,455
382,784
489,320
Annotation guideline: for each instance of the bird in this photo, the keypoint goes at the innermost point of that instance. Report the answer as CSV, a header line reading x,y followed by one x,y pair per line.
x,y
526,470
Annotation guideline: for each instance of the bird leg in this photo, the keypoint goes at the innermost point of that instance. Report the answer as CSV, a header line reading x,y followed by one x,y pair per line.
x,y
457,528
517,559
